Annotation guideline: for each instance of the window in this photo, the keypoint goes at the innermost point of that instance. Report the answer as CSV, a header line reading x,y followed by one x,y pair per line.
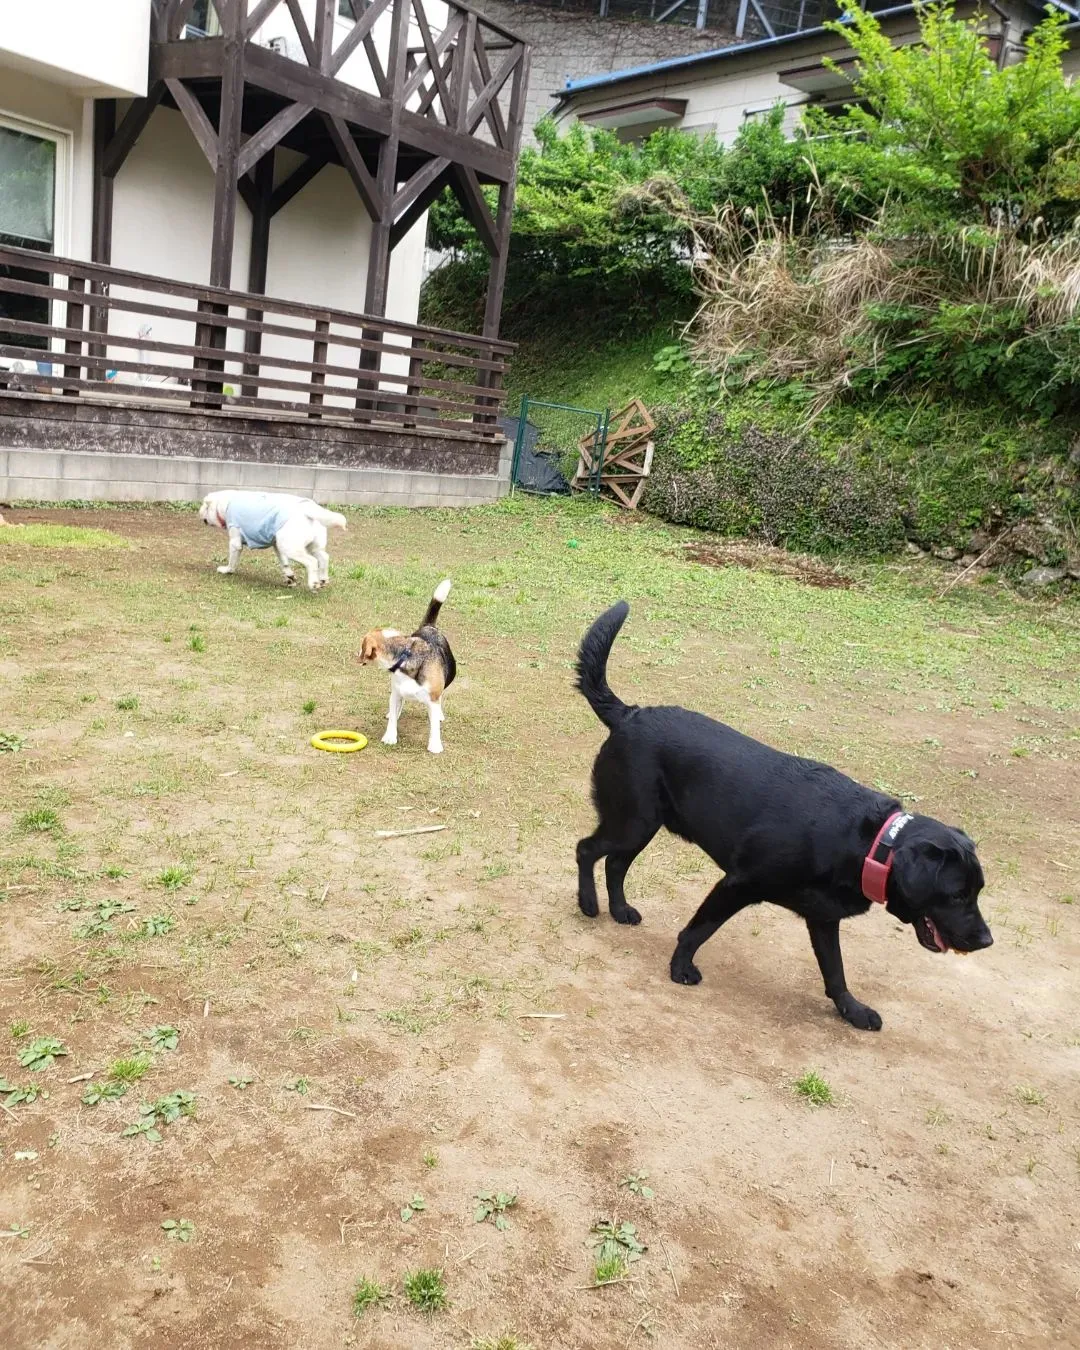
x,y
345,9
29,182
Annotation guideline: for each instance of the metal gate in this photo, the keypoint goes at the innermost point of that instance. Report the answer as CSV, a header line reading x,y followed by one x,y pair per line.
x,y
558,428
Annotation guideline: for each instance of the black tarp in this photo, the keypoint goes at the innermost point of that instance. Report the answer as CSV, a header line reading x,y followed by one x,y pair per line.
x,y
537,470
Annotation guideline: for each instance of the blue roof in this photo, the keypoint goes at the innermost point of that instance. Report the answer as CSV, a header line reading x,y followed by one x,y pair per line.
x,y
681,62
721,53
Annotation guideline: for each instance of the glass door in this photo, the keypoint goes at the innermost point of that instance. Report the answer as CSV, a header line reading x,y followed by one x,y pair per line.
x,y
30,194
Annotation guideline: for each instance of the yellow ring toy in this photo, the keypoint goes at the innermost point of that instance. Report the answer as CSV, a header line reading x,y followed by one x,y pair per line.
x,y
353,741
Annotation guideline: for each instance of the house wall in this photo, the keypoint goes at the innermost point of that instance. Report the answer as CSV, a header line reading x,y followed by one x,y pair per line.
x,y
721,95
568,45
96,46
163,206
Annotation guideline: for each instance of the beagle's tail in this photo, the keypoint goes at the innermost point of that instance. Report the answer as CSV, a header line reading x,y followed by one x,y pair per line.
x,y
442,590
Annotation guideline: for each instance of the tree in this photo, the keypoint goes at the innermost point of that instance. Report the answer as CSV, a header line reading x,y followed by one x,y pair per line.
x,y
952,134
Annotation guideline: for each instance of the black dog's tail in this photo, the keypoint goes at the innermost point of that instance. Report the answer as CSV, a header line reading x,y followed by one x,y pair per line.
x,y
442,590
592,665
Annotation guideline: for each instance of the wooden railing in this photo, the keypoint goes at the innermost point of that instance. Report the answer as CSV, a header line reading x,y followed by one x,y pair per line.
x,y
116,333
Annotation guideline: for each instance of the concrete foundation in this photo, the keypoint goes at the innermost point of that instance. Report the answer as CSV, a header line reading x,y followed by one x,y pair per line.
x,y
65,475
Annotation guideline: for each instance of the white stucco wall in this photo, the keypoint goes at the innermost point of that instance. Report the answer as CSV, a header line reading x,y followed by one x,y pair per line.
x,y
96,46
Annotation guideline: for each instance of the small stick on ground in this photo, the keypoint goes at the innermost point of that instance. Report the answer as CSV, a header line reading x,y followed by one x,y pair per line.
x,y
543,1017
832,1169
206,1008
81,1077
400,834
670,1267
4,1106
961,575
313,1106
622,1279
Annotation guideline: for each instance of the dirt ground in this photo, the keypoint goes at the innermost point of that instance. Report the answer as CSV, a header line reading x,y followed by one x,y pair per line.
x,y
357,1017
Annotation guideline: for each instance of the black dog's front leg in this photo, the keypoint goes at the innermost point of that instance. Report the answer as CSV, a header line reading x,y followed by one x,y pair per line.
x,y
825,938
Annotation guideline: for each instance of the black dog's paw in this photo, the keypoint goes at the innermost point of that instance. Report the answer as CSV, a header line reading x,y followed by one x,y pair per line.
x,y
859,1015
588,906
628,914
683,970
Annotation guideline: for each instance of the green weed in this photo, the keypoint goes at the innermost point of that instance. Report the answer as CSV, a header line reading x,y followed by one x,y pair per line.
x,y
812,1088
368,1294
426,1290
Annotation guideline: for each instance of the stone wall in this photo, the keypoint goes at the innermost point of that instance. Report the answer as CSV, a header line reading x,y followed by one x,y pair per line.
x,y
568,43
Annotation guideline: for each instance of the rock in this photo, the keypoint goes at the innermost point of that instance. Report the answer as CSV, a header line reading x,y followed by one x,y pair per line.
x,y
970,559
914,549
1039,538
1042,576
949,554
979,542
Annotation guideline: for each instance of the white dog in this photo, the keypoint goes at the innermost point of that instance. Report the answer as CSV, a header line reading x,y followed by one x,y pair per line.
x,y
294,526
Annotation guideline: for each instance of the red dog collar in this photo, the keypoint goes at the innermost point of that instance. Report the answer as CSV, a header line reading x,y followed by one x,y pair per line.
x,y
878,862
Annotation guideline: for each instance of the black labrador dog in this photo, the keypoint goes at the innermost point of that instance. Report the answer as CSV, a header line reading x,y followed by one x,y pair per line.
x,y
783,829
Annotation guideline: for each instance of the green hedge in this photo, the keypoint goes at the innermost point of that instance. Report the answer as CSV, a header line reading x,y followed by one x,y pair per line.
x,y
858,479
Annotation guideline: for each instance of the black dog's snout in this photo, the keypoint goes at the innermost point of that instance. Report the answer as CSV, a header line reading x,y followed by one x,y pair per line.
x,y
981,940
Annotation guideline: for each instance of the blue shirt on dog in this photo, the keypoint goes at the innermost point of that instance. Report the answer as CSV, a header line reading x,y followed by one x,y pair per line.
x,y
258,516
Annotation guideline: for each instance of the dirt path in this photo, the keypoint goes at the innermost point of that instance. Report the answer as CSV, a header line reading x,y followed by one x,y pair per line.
x,y
307,964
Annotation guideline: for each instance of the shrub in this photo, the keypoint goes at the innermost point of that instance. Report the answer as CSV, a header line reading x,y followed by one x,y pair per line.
x,y
771,486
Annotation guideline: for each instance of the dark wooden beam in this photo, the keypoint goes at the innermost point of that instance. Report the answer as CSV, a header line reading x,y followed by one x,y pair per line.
x,y
101,224
467,191
269,135
102,209
369,190
462,75
300,177
260,224
245,186
201,60
131,128
228,144
303,32
276,73
178,15
433,54
442,42
493,113
360,31
193,114
378,272
504,216
259,16
492,87
417,184
419,204
324,33
262,196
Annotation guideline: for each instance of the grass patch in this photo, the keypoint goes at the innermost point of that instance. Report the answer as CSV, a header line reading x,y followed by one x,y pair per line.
x,y
130,1070
368,1294
39,820
59,536
812,1088
426,1290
